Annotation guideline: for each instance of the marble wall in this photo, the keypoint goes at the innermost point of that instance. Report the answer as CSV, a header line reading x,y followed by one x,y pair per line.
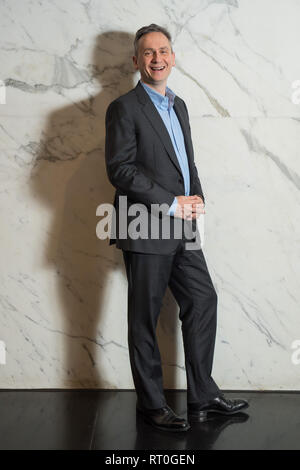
x,y
63,291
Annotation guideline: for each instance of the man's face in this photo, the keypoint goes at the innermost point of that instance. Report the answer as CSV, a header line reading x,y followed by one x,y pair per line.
x,y
155,59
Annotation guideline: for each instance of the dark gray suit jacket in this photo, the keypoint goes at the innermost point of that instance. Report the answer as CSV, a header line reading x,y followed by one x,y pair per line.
x,y
141,164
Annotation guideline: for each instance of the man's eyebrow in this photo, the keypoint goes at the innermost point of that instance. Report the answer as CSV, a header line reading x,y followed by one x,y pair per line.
x,y
151,48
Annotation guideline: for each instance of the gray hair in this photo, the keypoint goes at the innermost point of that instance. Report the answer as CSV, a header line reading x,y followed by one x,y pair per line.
x,y
152,28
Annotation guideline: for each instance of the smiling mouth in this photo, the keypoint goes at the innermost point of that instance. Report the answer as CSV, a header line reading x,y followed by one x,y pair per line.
x,y
158,69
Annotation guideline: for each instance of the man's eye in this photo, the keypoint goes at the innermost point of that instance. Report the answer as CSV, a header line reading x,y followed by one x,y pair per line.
x,y
147,53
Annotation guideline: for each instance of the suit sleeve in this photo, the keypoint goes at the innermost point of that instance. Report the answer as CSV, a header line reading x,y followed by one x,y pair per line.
x,y
120,158
195,177
173,207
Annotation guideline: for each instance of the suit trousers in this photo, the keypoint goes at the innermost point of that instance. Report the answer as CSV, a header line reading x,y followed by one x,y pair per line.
x,y
187,275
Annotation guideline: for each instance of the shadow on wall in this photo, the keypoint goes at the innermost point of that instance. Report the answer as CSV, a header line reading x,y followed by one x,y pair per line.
x,y
69,177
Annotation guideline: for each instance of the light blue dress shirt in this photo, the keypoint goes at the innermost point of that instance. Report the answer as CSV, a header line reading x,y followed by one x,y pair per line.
x,y
164,105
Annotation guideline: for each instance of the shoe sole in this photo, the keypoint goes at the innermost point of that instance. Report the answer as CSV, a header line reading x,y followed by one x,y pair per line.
x,y
161,428
203,415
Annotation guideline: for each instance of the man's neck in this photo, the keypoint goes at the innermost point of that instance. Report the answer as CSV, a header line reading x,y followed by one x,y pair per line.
x,y
159,88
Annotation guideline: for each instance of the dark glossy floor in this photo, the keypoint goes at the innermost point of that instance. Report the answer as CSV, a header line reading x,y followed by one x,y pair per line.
x,y
83,419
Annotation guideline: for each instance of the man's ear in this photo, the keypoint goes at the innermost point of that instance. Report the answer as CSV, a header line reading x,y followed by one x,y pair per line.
x,y
134,60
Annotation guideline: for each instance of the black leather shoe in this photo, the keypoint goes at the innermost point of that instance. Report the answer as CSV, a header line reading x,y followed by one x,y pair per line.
x,y
164,419
219,405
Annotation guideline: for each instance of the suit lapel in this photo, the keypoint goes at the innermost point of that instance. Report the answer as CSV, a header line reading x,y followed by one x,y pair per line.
x,y
182,117
154,117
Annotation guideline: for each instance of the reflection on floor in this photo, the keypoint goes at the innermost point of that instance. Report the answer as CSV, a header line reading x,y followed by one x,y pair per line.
x,y
98,419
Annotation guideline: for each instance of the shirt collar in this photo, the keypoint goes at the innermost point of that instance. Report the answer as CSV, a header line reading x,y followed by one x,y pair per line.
x,y
163,102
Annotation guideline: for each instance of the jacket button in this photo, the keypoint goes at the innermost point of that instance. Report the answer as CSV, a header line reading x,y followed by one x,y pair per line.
x,y
179,180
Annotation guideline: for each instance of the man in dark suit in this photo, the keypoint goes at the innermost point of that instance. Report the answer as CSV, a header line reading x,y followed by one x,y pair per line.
x,y
150,161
